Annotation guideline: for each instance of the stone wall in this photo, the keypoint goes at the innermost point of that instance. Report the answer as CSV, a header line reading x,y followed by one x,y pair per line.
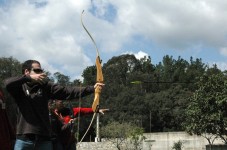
x,y
156,141
96,146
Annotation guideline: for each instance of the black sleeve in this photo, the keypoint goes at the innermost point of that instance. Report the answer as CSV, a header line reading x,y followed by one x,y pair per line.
x,y
13,84
68,92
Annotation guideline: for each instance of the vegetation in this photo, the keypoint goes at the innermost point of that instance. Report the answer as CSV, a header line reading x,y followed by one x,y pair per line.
x,y
119,134
155,97
207,110
177,145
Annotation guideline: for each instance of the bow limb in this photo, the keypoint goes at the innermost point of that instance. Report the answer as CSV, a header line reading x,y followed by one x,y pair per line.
x,y
99,78
97,51
95,105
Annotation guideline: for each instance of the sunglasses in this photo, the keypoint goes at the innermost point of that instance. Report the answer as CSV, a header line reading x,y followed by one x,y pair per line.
x,y
37,70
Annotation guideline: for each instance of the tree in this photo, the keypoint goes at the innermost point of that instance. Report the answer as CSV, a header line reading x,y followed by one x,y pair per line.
x,y
118,69
177,145
118,133
49,77
195,70
89,75
166,108
136,137
62,79
207,111
9,67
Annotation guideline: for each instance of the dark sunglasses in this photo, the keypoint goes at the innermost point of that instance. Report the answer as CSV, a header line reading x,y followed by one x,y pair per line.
x,y
37,70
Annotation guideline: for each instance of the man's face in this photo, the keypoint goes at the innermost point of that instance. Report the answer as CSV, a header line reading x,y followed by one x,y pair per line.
x,y
59,104
36,69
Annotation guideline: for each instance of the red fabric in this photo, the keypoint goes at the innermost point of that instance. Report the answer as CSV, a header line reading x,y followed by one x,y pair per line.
x,y
83,111
76,111
6,132
67,119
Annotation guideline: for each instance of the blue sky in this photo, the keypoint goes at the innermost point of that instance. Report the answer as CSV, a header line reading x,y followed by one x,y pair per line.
x,y
51,32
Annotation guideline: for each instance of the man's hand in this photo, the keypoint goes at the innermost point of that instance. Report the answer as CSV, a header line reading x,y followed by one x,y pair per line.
x,y
72,120
40,78
103,110
99,85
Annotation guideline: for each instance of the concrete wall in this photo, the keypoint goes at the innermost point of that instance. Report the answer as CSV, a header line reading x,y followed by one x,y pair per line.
x,y
166,140
156,141
96,146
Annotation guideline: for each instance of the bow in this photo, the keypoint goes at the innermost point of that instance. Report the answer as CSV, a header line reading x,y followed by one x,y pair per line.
x,y
99,78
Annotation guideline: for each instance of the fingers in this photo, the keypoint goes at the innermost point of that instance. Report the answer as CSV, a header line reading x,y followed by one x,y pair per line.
x,y
72,120
103,110
99,85
40,78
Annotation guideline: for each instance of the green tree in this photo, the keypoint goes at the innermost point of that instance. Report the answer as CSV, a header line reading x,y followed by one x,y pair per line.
x,y
49,76
89,75
62,79
9,67
158,102
177,145
136,138
194,71
166,109
207,111
213,70
118,133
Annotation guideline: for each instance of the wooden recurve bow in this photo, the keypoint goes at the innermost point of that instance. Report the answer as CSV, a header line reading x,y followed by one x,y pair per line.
x,y
99,78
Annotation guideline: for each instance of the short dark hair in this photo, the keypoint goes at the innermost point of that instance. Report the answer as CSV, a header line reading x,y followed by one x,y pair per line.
x,y
28,65
1,94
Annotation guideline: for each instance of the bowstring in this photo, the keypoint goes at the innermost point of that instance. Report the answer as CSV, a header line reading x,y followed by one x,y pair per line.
x,y
81,19
97,53
78,126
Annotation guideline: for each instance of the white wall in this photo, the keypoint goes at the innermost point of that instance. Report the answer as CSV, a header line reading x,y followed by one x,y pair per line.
x,y
157,141
166,140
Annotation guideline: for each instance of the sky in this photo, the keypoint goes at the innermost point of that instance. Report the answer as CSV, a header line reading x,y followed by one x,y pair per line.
x,y
50,31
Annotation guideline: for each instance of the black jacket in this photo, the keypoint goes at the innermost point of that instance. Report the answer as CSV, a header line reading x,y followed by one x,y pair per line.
x,y
32,100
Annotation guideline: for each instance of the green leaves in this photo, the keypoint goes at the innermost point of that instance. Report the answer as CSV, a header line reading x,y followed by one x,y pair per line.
x,y
118,133
9,67
207,110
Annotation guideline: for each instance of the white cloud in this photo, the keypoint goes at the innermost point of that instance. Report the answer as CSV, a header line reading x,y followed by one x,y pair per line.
x,y
48,34
50,30
223,51
138,55
175,24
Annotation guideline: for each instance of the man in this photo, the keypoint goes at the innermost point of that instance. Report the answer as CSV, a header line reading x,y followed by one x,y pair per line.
x,y
7,134
31,92
65,135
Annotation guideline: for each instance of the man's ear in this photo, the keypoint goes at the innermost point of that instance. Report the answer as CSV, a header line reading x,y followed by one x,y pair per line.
x,y
26,72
